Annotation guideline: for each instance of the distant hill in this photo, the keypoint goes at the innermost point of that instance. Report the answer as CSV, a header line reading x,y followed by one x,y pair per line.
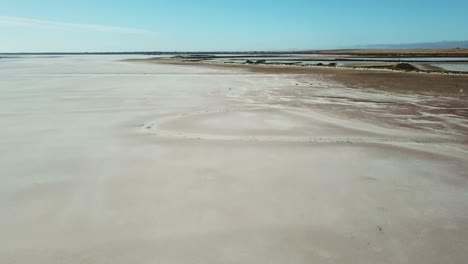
x,y
423,45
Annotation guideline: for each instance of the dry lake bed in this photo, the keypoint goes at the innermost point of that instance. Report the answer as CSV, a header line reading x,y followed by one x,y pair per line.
x,y
105,160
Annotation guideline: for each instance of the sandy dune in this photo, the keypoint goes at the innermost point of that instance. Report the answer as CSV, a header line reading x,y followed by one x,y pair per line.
x,y
110,161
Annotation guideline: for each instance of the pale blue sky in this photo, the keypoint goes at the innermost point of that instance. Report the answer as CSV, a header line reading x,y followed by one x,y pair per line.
x,y
198,25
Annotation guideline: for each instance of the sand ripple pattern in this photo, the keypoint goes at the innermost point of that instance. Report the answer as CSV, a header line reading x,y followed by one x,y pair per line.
x,y
277,125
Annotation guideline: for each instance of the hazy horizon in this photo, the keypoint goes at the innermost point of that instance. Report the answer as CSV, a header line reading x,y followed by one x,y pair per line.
x,y
122,26
421,45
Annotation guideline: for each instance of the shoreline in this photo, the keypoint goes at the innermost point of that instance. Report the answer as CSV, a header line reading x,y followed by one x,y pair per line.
x,y
375,78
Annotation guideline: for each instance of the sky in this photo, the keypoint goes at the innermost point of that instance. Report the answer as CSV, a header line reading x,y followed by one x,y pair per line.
x,y
224,25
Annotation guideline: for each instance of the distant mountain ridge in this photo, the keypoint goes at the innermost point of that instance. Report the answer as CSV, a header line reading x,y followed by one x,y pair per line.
x,y
422,45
